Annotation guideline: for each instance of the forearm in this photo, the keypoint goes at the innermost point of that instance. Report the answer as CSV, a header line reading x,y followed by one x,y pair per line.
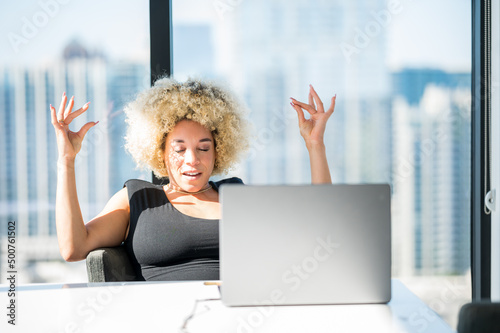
x,y
71,231
320,172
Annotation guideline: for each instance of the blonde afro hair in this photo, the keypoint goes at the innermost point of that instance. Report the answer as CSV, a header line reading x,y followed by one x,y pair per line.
x,y
155,112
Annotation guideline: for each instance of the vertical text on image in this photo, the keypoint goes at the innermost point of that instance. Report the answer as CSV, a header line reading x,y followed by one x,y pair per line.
x,y
11,272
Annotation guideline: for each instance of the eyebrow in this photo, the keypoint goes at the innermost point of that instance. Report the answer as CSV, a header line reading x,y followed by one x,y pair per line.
x,y
182,141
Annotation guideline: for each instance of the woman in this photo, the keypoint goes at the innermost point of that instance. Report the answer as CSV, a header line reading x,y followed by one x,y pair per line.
x,y
186,132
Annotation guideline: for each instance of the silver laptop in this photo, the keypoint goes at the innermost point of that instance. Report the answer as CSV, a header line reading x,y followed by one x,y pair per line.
x,y
310,244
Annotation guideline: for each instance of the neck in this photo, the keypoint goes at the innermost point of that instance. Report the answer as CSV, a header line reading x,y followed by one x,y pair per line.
x,y
176,188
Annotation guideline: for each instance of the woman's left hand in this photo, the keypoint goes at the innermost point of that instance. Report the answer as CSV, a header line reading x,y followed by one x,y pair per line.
x,y
313,129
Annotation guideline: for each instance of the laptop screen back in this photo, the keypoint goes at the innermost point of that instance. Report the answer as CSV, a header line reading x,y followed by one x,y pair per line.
x,y
307,244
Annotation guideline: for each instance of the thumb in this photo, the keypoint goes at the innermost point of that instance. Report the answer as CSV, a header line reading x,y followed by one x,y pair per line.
x,y
85,128
300,113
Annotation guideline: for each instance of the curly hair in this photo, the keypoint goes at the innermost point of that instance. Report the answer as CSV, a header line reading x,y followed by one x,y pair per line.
x,y
155,112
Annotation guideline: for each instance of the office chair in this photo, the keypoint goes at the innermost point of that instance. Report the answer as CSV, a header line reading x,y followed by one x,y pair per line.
x,y
480,317
109,264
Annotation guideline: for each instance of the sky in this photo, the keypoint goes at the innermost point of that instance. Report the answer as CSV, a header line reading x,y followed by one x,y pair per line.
x,y
440,37
120,27
416,36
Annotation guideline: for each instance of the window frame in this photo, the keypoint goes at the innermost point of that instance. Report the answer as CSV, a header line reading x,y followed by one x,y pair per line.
x,y
480,106
160,11
162,64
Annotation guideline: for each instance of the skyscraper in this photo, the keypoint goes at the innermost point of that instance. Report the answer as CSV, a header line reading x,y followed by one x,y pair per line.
x,y
269,67
29,149
431,179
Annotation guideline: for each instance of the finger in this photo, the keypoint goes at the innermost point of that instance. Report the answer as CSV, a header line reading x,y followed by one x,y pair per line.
x,y
311,100
69,107
332,106
76,113
53,115
300,113
85,128
316,98
60,114
305,106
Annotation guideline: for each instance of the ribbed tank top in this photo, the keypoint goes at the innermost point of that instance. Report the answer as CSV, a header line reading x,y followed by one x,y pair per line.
x,y
165,244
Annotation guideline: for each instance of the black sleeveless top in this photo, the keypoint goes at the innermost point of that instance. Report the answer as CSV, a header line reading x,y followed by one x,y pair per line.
x,y
165,244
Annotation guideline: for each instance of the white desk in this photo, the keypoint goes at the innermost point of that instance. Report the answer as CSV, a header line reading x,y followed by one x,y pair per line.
x,y
163,307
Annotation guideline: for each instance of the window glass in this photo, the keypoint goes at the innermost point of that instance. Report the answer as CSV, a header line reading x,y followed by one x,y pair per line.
x,y
98,52
401,72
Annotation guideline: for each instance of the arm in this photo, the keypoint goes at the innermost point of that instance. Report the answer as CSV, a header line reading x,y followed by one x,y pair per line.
x,y
320,172
108,229
312,130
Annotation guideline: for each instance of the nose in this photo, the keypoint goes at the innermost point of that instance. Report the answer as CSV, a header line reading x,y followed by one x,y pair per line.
x,y
191,157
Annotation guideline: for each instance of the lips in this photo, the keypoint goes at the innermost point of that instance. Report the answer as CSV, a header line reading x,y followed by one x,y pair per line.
x,y
191,175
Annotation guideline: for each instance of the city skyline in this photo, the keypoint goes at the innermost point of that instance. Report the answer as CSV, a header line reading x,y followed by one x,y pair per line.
x,y
361,132
400,69
112,136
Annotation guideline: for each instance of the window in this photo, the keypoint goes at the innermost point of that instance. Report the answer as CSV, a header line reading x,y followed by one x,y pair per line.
x,y
402,114
402,117
53,46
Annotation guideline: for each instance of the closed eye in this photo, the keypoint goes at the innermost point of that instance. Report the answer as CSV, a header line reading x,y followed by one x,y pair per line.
x,y
183,150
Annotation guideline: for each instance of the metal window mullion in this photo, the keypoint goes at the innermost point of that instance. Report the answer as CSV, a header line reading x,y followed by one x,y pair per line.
x,y
480,221
161,51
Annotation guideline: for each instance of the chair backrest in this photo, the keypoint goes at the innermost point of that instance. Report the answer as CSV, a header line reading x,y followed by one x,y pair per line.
x,y
109,264
481,317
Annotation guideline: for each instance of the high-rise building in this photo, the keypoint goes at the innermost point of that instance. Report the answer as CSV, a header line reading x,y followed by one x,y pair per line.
x,y
268,67
431,179
413,134
28,145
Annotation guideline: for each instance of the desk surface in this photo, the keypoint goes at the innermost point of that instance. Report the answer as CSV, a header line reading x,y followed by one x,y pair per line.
x,y
167,307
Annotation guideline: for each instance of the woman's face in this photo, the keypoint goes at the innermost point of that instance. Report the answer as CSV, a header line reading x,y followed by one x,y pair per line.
x,y
189,155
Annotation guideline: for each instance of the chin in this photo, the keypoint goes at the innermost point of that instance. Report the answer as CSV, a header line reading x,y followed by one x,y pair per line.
x,y
193,185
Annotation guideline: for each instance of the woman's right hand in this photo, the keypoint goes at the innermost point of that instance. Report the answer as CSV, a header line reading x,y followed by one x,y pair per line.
x,y
69,143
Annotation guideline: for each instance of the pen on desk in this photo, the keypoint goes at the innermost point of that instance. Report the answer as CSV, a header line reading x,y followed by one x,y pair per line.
x,y
212,283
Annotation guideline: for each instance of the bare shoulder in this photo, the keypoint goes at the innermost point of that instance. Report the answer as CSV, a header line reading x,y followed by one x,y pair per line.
x,y
119,201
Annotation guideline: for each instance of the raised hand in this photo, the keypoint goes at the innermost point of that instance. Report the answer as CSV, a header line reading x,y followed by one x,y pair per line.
x,y
313,129
69,143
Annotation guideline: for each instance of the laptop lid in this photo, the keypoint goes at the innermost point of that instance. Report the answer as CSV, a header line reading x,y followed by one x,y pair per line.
x,y
305,244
